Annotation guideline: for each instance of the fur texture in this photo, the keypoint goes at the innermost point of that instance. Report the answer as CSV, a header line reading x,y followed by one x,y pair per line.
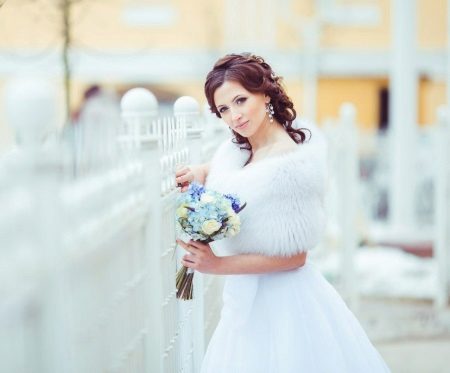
x,y
284,194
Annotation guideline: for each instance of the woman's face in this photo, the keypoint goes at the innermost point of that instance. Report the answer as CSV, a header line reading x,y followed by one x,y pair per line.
x,y
243,111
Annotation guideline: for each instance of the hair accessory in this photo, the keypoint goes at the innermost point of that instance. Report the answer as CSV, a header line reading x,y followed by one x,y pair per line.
x,y
270,112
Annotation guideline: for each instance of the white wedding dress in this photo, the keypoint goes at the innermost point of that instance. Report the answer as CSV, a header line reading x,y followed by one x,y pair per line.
x,y
284,322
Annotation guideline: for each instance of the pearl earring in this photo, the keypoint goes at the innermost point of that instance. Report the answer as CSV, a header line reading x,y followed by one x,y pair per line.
x,y
270,112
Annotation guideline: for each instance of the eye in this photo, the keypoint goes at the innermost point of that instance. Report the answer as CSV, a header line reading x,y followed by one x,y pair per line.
x,y
223,109
241,100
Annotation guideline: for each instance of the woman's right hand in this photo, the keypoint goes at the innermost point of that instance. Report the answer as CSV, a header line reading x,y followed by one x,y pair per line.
x,y
184,175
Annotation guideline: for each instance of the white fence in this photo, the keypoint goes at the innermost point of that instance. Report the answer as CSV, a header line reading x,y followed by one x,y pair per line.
x,y
351,201
87,279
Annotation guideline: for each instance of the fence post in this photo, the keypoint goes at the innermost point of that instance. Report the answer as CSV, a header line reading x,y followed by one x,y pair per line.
x,y
442,203
31,110
31,105
187,108
348,188
139,109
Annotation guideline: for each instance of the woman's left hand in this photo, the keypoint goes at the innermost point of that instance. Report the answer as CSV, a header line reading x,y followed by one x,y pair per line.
x,y
200,256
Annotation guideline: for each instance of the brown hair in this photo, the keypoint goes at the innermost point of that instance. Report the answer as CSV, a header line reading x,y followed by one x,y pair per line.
x,y
256,76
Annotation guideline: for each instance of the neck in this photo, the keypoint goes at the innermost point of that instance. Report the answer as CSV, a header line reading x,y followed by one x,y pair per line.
x,y
266,135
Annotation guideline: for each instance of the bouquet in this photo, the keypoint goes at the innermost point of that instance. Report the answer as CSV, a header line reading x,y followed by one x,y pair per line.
x,y
206,216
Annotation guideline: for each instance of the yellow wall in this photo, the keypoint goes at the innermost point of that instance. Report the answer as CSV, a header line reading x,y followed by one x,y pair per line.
x,y
198,24
99,25
350,37
332,92
432,24
363,93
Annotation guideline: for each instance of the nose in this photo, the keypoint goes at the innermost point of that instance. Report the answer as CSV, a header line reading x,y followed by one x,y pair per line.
x,y
235,115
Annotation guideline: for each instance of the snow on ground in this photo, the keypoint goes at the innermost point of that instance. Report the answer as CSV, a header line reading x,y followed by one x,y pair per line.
x,y
395,305
384,271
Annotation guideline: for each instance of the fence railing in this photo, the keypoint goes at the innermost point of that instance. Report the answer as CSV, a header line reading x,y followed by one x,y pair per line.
x,y
442,208
88,242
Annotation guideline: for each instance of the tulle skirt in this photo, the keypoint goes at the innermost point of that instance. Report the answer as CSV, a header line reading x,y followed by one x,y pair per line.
x,y
288,322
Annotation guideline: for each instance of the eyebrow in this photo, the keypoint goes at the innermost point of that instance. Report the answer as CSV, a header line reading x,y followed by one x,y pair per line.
x,y
235,97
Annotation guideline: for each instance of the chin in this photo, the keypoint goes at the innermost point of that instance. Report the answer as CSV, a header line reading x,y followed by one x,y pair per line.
x,y
244,134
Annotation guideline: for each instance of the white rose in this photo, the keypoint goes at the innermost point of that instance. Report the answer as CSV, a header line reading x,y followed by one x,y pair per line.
x,y
210,226
233,232
230,211
182,212
234,220
206,198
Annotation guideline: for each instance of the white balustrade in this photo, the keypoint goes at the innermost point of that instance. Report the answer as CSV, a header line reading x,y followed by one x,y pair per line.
x,y
344,201
30,106
403,118
348,199
87,240
442,209
187,109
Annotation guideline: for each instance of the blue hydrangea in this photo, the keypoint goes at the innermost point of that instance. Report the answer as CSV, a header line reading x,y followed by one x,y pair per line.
x,y
206,215
196,190
235,204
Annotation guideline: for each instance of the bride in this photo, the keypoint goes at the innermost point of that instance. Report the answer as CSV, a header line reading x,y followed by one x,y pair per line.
x,y
279,315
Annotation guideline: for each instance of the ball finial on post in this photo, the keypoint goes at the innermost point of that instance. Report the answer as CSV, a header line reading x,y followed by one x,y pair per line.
x,y
139,109
347,113
139,102
188,108
31,109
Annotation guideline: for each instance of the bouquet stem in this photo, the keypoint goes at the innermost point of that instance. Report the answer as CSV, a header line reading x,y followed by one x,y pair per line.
x,y
184,280
184,283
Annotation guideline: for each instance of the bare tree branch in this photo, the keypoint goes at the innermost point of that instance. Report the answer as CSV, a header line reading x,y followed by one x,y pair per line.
x,y
67,39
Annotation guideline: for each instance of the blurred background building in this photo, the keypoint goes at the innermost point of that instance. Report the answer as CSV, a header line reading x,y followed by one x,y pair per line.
x,y
388,58
336,50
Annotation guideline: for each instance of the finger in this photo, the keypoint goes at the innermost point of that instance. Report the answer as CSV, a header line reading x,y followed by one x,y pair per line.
x,y
183,244
180,166
189,258
182,171
197,244
183,187
187,264
186,178
192,249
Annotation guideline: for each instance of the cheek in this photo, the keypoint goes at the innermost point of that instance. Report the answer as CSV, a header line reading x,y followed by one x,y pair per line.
x,y
226,119
256,111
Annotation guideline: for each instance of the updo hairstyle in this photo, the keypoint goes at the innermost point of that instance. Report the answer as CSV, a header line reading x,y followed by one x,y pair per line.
x,y
256,76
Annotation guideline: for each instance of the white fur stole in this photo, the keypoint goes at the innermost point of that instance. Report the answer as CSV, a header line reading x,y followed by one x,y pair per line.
x,y
284,194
